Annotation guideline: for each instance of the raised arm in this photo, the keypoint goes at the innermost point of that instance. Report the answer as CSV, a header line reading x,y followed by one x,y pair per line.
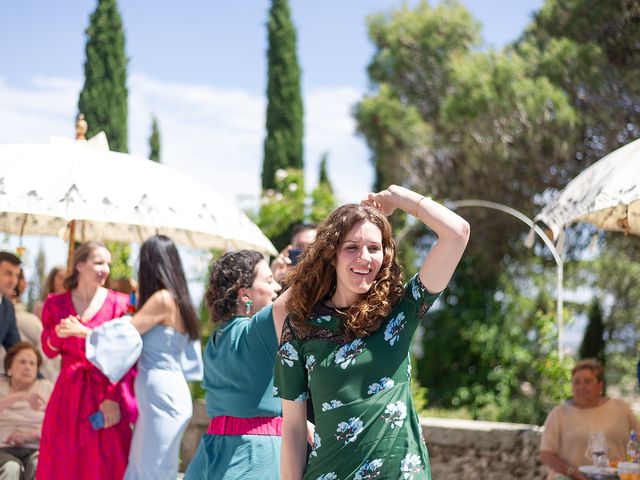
x,y
280,312
451,229
158,309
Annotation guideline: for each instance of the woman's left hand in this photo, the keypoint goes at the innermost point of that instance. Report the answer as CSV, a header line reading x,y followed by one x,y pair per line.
x,y
111,412
382,200
72,327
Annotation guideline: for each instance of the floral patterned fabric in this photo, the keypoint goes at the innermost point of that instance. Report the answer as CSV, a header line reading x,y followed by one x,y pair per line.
x,y
366,425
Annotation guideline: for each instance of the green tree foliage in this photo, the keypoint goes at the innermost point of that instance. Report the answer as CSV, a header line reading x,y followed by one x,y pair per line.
x,y
282,207
592,345
120,253
103,99
454,121
283,144
154,141
614,277
503,364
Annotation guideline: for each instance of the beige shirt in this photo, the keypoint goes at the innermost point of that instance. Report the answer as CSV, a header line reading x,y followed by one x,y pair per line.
x,y
567,429
20,416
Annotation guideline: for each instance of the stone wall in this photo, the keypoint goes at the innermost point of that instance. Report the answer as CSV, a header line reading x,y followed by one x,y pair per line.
x,y
462,449
459,449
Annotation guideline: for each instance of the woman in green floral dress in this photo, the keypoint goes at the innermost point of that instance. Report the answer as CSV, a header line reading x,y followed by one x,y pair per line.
x,y
346,341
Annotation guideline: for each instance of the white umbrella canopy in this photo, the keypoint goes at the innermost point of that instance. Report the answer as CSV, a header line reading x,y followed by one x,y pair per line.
x,y
607,194
114,196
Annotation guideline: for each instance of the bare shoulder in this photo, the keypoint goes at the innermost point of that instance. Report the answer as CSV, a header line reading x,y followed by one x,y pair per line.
x,y
163,297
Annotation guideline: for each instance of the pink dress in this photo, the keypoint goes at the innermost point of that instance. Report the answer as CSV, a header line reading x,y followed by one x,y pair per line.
x,y
70,448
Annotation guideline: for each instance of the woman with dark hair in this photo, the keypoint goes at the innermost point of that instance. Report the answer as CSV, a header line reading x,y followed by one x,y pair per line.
x,y
164,334
53,285
346,341
243,438
70,448
22,401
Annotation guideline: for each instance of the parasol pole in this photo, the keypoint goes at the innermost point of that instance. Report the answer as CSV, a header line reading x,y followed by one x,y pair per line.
x,y
81,134
72,244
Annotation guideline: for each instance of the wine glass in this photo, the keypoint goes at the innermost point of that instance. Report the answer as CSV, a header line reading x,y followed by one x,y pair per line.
x,y
597,449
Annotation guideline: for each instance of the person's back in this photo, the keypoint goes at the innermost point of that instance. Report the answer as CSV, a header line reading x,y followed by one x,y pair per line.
x,y
239,375
164,402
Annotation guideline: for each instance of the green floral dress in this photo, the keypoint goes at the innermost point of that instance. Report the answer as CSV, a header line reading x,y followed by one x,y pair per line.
x,y
366,425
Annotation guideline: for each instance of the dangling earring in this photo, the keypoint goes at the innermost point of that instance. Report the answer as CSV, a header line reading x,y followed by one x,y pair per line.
x,y
248,304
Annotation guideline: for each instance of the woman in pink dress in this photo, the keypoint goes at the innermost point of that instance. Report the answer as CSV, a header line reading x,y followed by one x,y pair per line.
x,y
70,448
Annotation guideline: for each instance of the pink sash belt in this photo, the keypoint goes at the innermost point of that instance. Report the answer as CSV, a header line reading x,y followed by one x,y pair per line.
x,y
245,426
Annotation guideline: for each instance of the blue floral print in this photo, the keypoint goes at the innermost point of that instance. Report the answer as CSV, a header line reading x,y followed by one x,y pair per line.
x,y
395,413
348,353
410,466
326,406
328,476
317,443
369,470
394,327
349,431
383,384
287,354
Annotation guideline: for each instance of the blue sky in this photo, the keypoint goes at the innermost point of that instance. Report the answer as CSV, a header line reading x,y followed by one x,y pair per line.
x,y
200,66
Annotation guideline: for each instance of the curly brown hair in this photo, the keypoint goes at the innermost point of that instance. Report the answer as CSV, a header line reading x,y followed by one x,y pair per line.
x,y
230,273
314,278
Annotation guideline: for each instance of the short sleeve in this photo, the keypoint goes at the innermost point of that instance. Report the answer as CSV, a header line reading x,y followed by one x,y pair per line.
x,y
550,441
114,347
290,376
417,300
261,325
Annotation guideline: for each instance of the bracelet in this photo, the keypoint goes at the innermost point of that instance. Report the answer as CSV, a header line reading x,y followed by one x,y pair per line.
x,y
571,470
415,212
51,346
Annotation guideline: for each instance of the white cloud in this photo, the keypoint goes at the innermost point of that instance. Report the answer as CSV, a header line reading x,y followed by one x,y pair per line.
x,y
211,133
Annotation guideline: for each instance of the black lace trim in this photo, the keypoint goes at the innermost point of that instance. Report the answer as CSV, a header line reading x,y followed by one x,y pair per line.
x,y
424,305
289,332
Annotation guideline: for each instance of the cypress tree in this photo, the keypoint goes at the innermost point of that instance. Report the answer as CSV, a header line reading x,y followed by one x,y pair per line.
x,y
154,141
324,176
103,98
283,144
592,345
322,199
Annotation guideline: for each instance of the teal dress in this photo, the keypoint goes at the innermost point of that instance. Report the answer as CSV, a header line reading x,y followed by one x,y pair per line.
x,y
366,425
238,379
